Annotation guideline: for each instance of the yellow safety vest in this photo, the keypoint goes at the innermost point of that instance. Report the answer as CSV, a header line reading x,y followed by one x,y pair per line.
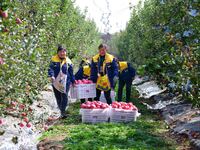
x,y
123,65
86,70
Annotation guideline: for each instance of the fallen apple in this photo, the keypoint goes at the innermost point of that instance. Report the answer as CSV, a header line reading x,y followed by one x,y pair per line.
x,y
28,125
1,121
21,125
26,120
18,21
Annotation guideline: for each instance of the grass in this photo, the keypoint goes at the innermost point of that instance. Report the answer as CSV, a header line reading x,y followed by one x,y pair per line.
x,y
147,133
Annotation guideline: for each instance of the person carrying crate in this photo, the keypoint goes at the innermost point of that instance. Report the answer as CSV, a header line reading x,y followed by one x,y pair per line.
x,y
84,73
104,72
126,76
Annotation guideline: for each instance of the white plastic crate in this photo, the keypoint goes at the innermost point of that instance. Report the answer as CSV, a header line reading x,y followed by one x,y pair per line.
x,y
121,115
94,115
83,91
103,99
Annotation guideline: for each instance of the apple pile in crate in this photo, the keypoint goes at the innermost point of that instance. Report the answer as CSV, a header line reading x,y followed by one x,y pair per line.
x,y
94,112
83,81
83,89
123,112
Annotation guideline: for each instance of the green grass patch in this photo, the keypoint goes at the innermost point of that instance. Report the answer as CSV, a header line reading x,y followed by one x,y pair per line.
x,y
147,133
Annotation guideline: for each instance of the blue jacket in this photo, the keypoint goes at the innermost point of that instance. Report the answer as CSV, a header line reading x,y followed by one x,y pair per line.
x,y
110,66
126,71
67,68
83,72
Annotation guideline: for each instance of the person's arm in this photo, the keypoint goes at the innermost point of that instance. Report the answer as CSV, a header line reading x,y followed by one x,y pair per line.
x,y
131,70
115,72
81,64
70,70
115,68
93,75
51,72
79,74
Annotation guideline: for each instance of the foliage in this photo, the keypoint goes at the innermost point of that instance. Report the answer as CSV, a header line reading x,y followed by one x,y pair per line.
x,y
27,46
162,39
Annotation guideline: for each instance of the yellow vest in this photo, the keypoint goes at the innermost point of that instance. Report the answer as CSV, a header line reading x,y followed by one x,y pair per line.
x,y
86,70
57,59
108,59
123,65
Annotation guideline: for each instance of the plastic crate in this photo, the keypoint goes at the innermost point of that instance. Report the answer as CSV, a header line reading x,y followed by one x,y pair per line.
x,y
121,115
83,91
94,115
103,99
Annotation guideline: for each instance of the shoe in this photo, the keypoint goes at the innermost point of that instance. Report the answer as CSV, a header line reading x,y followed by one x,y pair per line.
x,y
63,116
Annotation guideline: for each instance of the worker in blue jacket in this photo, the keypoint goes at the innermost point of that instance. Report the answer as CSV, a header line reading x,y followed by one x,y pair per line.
x,y
84,70
61,74
84,73
104,72
126,76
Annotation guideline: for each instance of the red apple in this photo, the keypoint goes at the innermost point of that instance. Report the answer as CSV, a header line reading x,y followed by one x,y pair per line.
x,y
5,30
21,106
26,120
119,105
1,121
83,105
13,103
23,114
18,21
92,106
89,106
80,82
84,81
4,14
21,125
114,106
98,106
28,125
103,106
88,102
123,107
89,82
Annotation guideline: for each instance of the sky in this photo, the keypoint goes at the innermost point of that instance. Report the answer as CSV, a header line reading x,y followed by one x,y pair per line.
x,y
119,9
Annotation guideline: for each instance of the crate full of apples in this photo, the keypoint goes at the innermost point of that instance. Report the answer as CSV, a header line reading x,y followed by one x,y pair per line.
x,y
83,89
123,112
94,112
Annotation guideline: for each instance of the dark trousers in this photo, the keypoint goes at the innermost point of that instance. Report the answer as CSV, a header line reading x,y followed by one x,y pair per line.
x,y
83,100
128,84
62,99
106,94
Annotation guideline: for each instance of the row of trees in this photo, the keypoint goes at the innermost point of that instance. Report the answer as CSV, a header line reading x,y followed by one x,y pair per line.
x,y
162,40
29,34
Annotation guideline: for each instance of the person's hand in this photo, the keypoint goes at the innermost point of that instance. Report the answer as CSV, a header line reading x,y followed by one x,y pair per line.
x,y
52,79
115,79
73,84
